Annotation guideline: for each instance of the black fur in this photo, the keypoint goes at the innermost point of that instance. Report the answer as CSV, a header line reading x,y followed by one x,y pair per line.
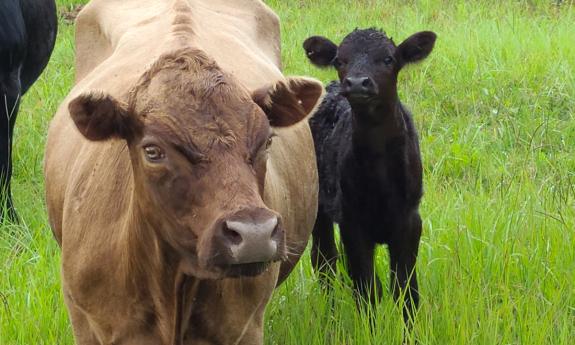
x,y
27,37
369,165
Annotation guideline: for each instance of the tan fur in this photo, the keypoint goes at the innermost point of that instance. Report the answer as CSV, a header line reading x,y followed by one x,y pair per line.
x,y
156,61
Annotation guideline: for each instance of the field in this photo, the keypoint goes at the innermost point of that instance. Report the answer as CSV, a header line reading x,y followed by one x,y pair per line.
x,y
495,108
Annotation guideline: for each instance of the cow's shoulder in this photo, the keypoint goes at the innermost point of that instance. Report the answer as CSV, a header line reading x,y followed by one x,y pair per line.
x,y
92,45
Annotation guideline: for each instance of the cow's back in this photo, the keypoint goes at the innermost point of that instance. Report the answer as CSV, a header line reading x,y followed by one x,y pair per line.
x,y
241,35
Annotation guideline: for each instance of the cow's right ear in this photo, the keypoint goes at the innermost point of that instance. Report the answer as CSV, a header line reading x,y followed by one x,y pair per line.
x,y
416,47
286,102
320,51
99,116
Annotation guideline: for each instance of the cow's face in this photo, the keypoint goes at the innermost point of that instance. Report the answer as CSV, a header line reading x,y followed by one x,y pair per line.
x,y
367,61
199,148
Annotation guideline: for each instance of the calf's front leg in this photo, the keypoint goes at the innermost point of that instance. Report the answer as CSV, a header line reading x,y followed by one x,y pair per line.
x,y
323,250
403,249
360,255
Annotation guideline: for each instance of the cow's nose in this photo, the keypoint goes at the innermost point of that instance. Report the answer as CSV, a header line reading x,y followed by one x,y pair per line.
x,y
359,86
252,239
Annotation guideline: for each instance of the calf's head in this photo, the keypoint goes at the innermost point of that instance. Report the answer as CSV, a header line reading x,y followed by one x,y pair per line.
x,y
198,144
367,61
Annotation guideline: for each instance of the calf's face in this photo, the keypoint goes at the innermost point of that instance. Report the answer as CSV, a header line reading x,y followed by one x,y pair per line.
x,y
198,144
367,61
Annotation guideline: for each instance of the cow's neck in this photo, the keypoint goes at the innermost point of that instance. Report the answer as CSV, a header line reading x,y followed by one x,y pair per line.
x,y
378,124
156,278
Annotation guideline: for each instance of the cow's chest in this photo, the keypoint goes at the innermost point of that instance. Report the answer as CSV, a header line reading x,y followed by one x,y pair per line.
x,y
374,190
102,309
118,321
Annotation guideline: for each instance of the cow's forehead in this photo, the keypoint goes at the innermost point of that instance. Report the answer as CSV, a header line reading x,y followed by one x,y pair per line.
x,y
366,41
189,99
208,127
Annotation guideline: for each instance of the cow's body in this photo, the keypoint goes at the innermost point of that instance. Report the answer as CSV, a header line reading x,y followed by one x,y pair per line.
x,y
368,160
361,182
90,184
27,37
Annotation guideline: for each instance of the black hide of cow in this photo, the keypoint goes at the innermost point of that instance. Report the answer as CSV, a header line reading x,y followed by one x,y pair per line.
x,y
369,162
27,37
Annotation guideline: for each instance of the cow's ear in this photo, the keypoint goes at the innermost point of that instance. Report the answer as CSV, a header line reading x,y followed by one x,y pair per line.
x,y
416,47
99,116
320,51
289,101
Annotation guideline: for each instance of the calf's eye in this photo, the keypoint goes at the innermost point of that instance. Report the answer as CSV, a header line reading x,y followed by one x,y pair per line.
x,y
154,153
387,60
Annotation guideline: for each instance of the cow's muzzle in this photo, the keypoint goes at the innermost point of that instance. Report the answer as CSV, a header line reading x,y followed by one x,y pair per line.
x,y
248,238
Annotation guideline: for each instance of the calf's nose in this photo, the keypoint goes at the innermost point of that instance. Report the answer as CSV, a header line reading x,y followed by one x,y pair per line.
x,y
359,85
251,240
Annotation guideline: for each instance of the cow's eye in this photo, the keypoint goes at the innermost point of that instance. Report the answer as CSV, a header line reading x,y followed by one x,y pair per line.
x,y
337,63
388,60
154,153
261,151
269,142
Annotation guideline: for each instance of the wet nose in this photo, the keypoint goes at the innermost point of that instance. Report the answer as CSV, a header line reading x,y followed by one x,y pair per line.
x,y
359,85
251,239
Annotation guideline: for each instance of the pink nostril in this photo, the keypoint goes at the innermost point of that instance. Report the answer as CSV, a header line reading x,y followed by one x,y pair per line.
x,y
275,231
233,236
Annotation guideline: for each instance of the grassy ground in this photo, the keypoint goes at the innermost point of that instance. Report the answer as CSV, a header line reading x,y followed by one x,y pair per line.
x,y
495,107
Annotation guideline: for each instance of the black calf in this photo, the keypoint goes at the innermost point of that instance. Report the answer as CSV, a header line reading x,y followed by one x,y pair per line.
x,y
368,159
27,37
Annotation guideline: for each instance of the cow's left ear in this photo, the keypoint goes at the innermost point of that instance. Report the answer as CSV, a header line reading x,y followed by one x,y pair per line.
x,y
289,101
416,47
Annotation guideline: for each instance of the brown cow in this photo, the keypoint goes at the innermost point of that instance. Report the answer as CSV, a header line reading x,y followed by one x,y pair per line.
x,y
169,200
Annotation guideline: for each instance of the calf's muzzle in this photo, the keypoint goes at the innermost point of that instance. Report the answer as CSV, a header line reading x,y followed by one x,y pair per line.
x,y
360,86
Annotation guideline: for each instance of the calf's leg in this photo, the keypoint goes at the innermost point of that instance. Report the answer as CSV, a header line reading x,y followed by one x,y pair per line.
x,y
360,252
403,250
323,250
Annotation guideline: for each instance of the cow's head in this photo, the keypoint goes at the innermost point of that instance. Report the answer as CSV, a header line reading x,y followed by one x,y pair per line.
x,y
199,143
367,61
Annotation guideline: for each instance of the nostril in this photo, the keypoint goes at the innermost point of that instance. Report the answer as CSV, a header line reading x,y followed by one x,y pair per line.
x,y
275,232
366,82
347,82
233,236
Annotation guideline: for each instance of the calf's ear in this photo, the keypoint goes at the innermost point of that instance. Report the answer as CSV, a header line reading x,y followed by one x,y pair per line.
x,y
320,51
99,116
416,47
289,101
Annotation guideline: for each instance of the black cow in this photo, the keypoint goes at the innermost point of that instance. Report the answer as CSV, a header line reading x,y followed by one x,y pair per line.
x,y
368,159
27,37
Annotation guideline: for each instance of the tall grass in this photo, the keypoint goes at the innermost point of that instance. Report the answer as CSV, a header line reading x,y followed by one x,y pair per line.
x,y
495,108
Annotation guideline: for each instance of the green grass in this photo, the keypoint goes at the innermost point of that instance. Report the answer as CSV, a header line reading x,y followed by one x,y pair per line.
x,y
495,108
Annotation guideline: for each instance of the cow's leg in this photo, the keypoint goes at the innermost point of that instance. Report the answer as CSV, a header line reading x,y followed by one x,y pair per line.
x,y
323,250
8,112
403,249
360,252
80,325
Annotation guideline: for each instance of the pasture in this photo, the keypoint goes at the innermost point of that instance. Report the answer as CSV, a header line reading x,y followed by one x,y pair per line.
x,y
494,105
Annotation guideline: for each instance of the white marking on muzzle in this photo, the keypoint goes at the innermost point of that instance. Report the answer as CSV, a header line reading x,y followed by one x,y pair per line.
x,y
257,244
